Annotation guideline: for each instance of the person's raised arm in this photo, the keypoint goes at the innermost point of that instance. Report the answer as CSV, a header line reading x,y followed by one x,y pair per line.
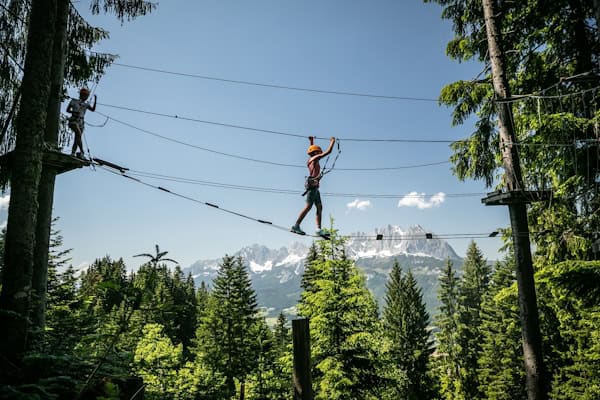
x,y
330,148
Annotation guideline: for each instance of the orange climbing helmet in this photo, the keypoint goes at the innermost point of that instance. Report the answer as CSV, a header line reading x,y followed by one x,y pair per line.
x,y
312,148
84,90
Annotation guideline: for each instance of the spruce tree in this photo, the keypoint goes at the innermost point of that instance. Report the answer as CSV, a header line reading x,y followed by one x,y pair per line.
x,y
405,325
501,374
447,365
310,273
473,287
225,333
281,334
345,331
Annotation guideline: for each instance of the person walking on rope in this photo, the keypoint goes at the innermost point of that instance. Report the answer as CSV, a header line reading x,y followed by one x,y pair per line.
x,y
313,196
77,108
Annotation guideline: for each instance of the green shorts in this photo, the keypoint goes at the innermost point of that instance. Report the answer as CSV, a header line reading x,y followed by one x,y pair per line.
x,y
313,196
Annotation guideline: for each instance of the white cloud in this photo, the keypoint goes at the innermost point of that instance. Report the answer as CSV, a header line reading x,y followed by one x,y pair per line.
x,y
4,202
359,204
414,199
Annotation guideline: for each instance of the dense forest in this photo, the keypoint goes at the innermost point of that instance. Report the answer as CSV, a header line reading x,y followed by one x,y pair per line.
x,y
105,333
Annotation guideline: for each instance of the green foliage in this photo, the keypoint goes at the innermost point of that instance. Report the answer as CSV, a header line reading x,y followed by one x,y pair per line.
x,y
168,299
157,360
447,357
225,336
405,326
575,342
344,327
501,375
471,290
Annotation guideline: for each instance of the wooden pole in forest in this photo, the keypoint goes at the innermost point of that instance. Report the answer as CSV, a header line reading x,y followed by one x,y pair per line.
x,y
302,379
532,339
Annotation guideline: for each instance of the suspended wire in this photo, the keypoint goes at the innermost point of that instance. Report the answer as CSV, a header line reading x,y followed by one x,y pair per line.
x,y
275,132
199,182
275,86
304,136
148,132
446,236
123,174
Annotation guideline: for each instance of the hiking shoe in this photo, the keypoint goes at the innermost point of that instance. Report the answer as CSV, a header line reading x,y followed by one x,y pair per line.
x,y
321,232
296,229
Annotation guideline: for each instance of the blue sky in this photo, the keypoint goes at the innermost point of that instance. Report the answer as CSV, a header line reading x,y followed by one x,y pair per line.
x,y
392,48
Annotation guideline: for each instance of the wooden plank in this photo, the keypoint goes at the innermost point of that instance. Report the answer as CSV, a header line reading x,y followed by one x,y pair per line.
x,y
500,198
53,159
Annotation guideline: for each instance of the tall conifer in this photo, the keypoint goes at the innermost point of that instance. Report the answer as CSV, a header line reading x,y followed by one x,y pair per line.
x,y
474,284
226,332
344,328
447,336
501,358
405,325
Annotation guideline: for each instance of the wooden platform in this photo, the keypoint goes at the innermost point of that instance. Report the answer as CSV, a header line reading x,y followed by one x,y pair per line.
x,y
61,162
500,198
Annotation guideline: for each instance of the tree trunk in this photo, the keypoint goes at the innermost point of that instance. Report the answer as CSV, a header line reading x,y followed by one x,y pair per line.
x,y
48,177
25,176
532,339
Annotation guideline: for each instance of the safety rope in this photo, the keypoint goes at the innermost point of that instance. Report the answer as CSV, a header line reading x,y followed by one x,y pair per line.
x,y
339,151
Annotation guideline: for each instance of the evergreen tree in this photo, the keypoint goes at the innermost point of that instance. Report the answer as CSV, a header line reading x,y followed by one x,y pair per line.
x,y
447,337
225,333
168,300
405,326
310,274
551,47
35,96
501,374
472,288
202,294
104,283
281,334
344,328
571,327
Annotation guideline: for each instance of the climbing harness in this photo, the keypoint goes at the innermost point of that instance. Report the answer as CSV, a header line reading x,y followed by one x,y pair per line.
x,y
313,181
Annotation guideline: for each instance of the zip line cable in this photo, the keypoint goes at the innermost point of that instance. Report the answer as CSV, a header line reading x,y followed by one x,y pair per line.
x,y
275,86
199,182
148,132
304,136
122,172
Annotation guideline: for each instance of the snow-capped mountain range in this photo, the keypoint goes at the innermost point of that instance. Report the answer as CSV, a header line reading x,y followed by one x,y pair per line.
x,y
276,273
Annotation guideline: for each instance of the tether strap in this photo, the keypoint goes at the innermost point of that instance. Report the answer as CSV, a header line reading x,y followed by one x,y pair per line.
x,y
325,170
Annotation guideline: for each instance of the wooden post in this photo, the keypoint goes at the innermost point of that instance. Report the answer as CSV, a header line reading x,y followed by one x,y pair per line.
x,y
532,339
302,379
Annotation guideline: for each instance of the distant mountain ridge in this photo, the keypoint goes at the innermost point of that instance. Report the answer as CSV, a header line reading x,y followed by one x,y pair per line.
x,y
276,273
